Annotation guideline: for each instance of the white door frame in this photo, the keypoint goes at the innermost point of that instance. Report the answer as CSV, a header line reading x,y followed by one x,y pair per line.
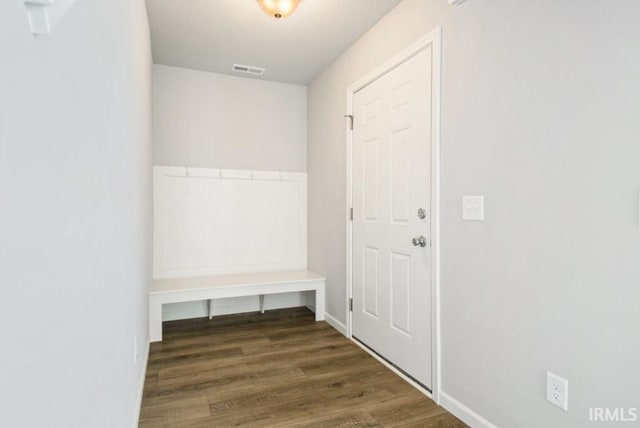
x,y
433,39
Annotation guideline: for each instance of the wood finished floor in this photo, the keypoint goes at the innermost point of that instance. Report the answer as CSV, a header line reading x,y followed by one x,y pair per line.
x,y
280,369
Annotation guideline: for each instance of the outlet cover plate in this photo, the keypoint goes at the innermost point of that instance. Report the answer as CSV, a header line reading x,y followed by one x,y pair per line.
x,y
473,208
558,391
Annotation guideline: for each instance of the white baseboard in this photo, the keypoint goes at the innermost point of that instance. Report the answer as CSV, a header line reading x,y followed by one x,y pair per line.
x,y
143,378
463,413
234,305
333,322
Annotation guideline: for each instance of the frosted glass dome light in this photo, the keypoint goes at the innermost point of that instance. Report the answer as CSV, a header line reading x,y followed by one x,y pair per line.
x,y
279,8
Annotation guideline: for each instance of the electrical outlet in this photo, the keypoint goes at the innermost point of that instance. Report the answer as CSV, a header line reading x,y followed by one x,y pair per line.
x,y
135,350
558,391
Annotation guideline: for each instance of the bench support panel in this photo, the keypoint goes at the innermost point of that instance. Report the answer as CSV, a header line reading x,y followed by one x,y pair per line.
x,y
320,303
156,300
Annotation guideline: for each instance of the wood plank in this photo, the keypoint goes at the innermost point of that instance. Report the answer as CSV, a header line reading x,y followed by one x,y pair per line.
x,y
405,409
176,411
203,387
192,357
355,418
254,370
444,420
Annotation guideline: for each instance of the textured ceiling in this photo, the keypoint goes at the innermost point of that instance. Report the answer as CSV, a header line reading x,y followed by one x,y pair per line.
x,y
211,35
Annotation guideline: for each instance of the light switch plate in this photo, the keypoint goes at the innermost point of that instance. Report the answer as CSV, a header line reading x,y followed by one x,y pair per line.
x,y
473,208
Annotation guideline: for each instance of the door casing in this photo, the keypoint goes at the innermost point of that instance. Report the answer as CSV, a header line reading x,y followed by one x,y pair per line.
x,y
433,39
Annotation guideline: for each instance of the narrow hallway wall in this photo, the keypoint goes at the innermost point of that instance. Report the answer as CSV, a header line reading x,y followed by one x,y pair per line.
x,y
75,215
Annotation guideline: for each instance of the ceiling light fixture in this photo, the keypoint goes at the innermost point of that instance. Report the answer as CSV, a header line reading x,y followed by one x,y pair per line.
x,y
279,8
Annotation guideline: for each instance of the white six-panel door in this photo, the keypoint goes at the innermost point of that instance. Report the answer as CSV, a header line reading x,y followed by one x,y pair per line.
x,y
391,175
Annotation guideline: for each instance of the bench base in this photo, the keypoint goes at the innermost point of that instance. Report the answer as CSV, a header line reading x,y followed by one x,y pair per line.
x,y
177,290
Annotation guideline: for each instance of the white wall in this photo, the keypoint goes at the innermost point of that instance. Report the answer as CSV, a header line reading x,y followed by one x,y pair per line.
x,y
75,215
217,121
540,114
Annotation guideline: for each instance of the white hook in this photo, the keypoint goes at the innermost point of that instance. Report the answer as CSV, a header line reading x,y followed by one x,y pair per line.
x,y
251,174
186,170
280,171
220,172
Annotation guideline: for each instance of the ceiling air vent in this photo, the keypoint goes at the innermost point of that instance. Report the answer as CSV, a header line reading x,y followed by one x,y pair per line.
x,y
248,69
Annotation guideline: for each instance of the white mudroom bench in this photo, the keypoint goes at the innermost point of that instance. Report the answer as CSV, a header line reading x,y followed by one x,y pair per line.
x,y
176,290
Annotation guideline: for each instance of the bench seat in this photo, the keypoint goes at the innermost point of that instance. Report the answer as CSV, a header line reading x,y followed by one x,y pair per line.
x,y
177,290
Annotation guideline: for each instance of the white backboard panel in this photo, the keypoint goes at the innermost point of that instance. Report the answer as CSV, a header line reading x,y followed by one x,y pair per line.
x,y
212,221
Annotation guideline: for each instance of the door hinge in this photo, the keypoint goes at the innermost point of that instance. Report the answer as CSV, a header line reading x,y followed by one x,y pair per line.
x,y
351,305
350,116
351,214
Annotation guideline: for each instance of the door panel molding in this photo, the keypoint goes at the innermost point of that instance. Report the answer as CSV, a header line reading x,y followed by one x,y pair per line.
x,y
431,40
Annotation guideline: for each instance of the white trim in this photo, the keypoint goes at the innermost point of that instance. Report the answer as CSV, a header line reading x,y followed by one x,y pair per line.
x,y
433,38
395,370
435,216
333,322
349,268
463,413
143,378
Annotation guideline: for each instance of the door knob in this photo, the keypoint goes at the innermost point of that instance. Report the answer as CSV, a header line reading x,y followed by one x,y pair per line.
x,y
420,240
